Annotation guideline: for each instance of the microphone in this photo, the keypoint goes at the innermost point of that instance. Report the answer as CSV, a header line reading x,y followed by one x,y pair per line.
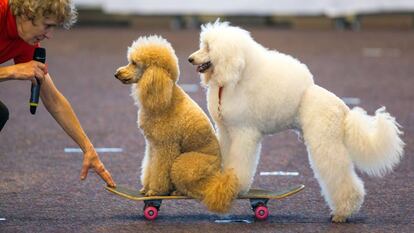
x,y
40,56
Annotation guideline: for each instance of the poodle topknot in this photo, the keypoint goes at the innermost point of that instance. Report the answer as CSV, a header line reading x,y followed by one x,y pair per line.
x,y
154,50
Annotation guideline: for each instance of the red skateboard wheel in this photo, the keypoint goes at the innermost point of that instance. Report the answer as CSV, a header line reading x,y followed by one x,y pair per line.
x,y
261,212
150,213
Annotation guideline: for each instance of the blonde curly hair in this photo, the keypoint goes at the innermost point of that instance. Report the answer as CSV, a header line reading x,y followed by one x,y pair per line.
x,y
63,10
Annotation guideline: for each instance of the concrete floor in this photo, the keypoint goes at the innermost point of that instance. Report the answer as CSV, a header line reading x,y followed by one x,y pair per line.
x,y
40,190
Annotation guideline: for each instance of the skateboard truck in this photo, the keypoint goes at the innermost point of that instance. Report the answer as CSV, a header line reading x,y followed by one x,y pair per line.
x,y
259,207
151,208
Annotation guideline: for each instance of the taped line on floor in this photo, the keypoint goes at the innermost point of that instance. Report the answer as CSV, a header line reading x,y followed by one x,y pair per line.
x,y
381,52
351,100
232,221
98,150
279,173
189,87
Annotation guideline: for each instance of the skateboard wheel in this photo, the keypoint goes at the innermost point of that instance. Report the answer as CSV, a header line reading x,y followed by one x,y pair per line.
x,y
150,213
261,212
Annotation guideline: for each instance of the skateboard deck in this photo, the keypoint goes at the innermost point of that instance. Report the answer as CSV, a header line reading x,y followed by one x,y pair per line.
x,y
258,199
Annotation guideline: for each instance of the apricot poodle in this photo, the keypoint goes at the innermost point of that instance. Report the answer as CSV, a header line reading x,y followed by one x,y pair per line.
x,y
182,152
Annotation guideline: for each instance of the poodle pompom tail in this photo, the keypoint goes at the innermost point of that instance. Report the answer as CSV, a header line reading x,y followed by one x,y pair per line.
x,y
220,191
373,142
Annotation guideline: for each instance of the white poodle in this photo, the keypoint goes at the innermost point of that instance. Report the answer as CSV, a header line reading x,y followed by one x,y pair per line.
x,y
253,91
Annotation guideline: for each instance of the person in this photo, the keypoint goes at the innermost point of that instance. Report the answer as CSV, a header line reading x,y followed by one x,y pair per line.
x,y
23,24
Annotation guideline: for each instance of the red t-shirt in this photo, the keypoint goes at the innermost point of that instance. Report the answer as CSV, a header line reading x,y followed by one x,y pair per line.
x,y
11,45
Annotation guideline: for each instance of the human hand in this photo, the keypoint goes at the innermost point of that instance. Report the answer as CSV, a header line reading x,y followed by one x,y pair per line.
x,y
29,70
91,160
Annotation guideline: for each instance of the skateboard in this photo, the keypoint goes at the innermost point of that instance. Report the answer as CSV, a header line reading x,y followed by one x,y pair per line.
x,y
258,199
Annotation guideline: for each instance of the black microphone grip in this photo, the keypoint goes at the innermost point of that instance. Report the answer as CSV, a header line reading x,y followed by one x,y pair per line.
x,y
34,96
40,56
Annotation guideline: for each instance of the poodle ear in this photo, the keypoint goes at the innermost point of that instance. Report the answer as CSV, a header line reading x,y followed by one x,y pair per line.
x,y
155,89
228,68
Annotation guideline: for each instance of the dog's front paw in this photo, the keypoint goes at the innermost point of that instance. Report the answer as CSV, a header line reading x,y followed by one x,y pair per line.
x,y
143,191
176,193
339,219
151,193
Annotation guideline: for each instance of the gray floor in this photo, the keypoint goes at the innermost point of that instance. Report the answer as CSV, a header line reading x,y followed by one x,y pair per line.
x,y
40,189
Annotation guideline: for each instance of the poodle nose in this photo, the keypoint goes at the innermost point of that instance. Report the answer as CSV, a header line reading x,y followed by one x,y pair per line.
x,y
116,75
190,59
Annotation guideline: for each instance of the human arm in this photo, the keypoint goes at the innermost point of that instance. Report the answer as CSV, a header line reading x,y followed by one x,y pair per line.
x,y
23,71
61,110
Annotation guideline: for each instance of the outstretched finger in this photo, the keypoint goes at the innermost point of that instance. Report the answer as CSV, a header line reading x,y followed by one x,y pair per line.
x,y
84,172
105,175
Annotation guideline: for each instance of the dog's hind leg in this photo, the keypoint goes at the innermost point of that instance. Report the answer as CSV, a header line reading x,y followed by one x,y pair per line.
x,y
199,175
342,189
322,116
189,168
